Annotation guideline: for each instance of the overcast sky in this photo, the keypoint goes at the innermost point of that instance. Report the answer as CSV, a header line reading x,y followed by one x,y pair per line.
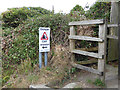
x,y
59,5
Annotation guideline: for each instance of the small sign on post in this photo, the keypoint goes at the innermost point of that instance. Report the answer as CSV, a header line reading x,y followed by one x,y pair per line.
x,y
44,43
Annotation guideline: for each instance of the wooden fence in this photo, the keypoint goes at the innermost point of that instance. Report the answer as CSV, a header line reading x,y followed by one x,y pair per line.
x,y
102,45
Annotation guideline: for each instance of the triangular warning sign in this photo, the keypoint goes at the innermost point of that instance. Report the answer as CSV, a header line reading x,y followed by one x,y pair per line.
x,y
44,36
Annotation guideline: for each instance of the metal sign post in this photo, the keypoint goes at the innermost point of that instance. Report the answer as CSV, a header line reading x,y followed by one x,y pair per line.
x,y
44,44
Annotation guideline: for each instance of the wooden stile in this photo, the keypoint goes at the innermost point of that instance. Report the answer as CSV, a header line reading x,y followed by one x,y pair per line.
x,y
101,55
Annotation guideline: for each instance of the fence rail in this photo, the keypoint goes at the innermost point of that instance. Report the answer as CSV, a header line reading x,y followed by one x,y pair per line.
x,y
88,22
85,38
91,54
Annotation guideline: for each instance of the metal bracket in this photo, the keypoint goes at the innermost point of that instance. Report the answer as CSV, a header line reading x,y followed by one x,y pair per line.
x,y
102,56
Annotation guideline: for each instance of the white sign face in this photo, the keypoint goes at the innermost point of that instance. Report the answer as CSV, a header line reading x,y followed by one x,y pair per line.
x,y
44,48
44,39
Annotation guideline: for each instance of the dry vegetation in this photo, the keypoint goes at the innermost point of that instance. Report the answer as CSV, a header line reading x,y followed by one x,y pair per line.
x,y
57,69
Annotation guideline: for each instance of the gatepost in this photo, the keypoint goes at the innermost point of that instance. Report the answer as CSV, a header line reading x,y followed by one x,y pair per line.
x,y
44,44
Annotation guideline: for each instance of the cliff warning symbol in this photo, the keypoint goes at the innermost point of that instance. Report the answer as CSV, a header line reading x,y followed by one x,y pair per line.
x,y
44,36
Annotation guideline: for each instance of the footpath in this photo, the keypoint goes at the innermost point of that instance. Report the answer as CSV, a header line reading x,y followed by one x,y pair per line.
x,y
83,77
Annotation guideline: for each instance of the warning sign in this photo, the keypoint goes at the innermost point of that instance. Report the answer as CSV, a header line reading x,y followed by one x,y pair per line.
x,y
44,39
44,36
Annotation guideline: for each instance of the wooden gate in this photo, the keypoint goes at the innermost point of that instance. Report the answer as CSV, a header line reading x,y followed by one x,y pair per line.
x,y
101,55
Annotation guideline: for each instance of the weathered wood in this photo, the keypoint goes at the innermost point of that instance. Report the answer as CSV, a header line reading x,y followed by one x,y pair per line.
x,y
113,43
119,42
102,50
88,49
101,46
112,37
88,22
91,61
112,25
85,38
87,62
91,54
72,43
86,68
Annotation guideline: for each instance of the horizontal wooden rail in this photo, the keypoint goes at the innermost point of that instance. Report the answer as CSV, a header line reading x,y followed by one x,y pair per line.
x,y
85,38
112,25
86,68
91,54
88,22
112,37
91,61
88,49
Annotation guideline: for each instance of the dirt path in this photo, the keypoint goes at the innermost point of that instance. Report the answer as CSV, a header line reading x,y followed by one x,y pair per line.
x,y
81,80
111,78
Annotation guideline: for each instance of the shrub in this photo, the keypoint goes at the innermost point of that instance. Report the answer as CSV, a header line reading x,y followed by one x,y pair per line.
x,y
15,16
77,10
23,42
99,10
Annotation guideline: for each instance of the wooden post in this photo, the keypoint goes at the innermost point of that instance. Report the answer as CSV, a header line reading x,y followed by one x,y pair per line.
x,y
119,42
119,50
72,43
102,51
113,43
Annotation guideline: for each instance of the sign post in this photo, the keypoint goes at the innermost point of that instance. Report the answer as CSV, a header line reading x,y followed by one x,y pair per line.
x,y
44,44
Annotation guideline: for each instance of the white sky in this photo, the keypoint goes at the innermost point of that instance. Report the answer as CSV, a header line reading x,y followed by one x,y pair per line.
x,y
59,5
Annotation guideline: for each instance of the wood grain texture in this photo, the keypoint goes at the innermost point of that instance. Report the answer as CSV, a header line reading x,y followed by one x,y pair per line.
x,y
112,25
86,68
72,43
85,38
91,54
112,37
88,22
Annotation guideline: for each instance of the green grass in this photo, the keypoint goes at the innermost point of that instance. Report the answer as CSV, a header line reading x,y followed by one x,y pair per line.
x,y
32,78
98,82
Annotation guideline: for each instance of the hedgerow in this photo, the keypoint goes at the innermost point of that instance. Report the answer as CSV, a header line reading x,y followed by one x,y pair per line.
x,y
99,10
15,16
22,42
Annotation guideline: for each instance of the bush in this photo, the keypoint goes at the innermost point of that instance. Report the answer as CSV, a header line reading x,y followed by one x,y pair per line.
x,y
77,10
15,16
23,42
99,10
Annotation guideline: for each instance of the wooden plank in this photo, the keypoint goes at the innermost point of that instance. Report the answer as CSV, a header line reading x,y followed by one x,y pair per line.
x,y
91,61
72,43
88,49
91,54
87,62
85,38
112,25
112,37
86,68
88,22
